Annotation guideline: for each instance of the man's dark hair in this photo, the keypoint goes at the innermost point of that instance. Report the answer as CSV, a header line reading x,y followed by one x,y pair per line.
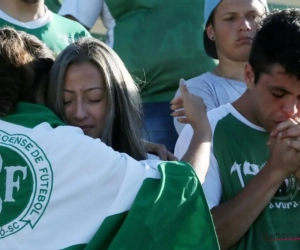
x,y
277,42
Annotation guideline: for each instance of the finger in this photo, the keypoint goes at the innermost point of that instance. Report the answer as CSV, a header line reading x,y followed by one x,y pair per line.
x,y
178,113
177,106
162,152
283,126
183,88
176,100
183,120
172,157
295,144
290,132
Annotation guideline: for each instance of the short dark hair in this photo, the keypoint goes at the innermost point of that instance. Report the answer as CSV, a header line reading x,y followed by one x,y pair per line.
x,y
277,42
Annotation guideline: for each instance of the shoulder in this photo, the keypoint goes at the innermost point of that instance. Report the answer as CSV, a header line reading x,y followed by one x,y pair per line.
x,y
200,80
69,25
217,114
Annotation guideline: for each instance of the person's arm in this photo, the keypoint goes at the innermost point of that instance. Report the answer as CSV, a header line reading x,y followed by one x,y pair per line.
x,y
194,112
200,88
85,12
233,218
160,150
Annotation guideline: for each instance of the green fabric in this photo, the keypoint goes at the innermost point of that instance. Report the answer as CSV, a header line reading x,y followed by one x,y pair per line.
x,y
171,213
273,6
57,34
37,113
241,152
160,41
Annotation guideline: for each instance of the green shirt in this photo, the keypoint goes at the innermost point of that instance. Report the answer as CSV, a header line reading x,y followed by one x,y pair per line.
x,y
160,42
55,31
240,150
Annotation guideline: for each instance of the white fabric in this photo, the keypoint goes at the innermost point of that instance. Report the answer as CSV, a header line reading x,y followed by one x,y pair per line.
x,y
214,90
40,22
104,182
212,185
87,13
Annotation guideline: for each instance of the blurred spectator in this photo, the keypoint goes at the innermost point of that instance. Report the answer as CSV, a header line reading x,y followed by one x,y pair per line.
x,y
230,28
33,17
160,41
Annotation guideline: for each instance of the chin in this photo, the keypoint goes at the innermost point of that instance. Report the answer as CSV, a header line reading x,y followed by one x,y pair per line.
x,y
240,57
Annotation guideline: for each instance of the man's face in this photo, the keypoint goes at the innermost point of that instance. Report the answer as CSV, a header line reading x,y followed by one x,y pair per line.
x,y
275,98
234,28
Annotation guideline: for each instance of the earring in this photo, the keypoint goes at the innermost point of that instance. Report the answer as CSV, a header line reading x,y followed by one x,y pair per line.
x,y
213,38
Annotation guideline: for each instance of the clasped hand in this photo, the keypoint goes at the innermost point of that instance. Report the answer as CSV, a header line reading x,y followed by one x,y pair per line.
x,y
284,144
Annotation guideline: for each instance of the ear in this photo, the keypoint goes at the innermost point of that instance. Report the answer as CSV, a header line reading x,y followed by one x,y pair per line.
x,y
249,76
210,32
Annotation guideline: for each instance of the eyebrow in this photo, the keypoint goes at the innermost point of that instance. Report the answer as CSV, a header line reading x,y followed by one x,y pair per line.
x,y
280,89
86,90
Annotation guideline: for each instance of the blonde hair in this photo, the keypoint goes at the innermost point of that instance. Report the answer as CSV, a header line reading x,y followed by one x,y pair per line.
x,y
123,125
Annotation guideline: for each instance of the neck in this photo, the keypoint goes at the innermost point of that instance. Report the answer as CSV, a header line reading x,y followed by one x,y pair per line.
x,y
231,69
243,107
21,11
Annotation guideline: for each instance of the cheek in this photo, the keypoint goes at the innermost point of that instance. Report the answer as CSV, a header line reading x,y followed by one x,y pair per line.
x,y
68,112
99,112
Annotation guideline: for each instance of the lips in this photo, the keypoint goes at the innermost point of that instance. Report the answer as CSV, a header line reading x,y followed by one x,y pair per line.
x,y
244,40
86,128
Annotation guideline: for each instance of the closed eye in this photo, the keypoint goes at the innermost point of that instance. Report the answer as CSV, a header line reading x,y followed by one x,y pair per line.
x,y
277,95
95,101
67,102
228,19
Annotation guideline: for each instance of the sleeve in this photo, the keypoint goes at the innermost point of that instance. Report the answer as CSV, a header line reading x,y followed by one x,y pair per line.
x,y
86,12
183,141
202,89
212,186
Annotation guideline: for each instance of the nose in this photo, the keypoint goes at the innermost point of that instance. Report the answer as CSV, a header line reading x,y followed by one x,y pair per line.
x,y
291,108
80,112
244,24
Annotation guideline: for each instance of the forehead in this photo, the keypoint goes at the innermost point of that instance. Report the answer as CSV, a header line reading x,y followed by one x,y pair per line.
x,y
84,75
237,6
278,79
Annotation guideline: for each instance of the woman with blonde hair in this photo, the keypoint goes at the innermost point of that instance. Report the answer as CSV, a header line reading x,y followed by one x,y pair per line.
x,y
91,88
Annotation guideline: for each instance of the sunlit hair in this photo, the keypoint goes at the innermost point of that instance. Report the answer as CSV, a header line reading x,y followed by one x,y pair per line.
x,y
123,123
25,63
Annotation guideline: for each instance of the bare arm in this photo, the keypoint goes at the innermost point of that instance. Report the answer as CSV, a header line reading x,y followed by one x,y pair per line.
x,y
233,218
194,111
198,152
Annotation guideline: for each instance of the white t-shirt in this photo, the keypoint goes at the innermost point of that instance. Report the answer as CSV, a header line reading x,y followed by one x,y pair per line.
x,y
87,13
214,90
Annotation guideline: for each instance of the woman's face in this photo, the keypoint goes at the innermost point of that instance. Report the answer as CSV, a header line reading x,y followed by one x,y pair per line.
x,y
85,103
